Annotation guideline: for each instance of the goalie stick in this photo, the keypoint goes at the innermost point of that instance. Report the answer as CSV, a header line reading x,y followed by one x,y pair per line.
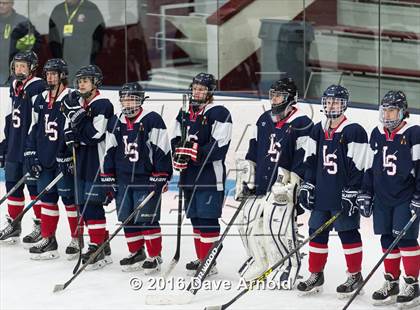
x,y
177,254
264,276
390,248
61,287
202,271
14,188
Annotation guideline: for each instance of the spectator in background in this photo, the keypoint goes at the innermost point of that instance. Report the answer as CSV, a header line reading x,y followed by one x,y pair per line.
x,y
76,29
17,34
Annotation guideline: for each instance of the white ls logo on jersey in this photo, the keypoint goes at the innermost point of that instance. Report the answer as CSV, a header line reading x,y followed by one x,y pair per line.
x,y
389,165
51,129
329,161
130,150
273,151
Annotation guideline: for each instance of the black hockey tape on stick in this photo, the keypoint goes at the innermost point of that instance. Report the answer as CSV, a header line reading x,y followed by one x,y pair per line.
x,y
61,287
390,248
264,276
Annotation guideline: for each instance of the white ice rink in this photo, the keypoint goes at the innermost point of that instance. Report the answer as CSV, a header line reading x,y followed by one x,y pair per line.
x,y
27,284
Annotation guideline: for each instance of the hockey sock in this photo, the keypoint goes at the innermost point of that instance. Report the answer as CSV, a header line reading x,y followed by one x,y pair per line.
x,y
209,233
71,211
15,206
33,192
410,252
134,237
353,251
96,229
37,208
49,219
153,239
318,251
393,259
196,234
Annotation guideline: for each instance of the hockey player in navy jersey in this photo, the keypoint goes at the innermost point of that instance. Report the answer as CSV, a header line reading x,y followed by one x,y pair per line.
x,y
88,112
137,161
45,153
201,160
391,188
272,169
24,88
334,155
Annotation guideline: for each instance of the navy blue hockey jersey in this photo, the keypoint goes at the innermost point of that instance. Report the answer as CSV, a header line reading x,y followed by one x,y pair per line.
x,y
19,117
211,128
335,160
46,134
393,164
137,149
91,135
275,145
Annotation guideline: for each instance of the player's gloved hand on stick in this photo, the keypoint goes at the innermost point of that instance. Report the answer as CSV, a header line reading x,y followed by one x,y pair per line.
x,y
32,163
159,181
180,162
364,202
65,163
307,196
188,149
70,137
72,109
348,201
415,205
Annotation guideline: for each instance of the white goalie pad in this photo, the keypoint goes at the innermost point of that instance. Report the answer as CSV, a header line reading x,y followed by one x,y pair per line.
x,y
280,232
250,226
245,178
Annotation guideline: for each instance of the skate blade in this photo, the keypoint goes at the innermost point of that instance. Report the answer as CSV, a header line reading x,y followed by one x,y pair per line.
x,y
131,268
10,241
45,256
343,296
98,265
392,300
152,271
315,291
72,256
409,305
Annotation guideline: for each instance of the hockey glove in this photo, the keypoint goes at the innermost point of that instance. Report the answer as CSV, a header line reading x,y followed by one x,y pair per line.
x,y
307,196
70,137
189,149
159,182
415,205
65,164
348,201
364,202
32,163
72,109
110,184
180,162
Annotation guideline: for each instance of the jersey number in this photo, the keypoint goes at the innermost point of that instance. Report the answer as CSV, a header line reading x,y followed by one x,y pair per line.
x,y
130,150
329,161
51,129
16,118
389,165
273,151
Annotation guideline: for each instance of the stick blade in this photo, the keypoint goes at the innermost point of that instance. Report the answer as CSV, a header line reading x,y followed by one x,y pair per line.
x,y
171,267
213,308
59,288
184,297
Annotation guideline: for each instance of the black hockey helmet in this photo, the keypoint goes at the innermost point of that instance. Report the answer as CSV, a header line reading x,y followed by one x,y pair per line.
x,y
91,71
30,58
204,79
132,96
394,99
282,94
339,94
57,65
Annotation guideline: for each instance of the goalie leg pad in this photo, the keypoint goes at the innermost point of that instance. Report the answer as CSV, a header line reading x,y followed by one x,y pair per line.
x,y
251,232
281,238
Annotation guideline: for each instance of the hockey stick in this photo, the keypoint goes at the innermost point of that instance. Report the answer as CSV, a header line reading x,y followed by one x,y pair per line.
x,y
390,248
201,273
177,254
61,287
77,202
14,188
264,276
37,198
